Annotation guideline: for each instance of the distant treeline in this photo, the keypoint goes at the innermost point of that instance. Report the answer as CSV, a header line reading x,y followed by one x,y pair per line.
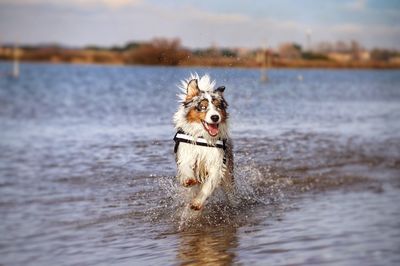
x,y
163,51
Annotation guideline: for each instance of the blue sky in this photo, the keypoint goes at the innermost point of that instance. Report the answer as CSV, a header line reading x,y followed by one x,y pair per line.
x,y
234,23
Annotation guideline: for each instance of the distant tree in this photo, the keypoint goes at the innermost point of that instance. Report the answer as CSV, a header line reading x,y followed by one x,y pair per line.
x,y
314,56
342,47
228,52
297,46
117,48
355,50
131,45
290,51
324,47
159,52
93,48
199,52
382,54
96,48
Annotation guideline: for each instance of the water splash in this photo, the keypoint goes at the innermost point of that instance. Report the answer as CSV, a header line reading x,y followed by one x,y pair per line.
x,y
255,186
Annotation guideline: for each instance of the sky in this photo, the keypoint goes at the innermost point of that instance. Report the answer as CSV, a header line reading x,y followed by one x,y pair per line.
x,y
199,24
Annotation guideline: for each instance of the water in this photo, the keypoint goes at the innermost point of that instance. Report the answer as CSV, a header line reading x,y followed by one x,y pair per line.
x,y
87,166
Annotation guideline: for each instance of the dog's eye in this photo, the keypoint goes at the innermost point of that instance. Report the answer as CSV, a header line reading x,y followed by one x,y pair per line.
x,y
218,108
203,107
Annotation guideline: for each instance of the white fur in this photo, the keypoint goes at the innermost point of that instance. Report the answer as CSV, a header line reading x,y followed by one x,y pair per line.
x,y
193,160
212,111
196,129
204,82
191,157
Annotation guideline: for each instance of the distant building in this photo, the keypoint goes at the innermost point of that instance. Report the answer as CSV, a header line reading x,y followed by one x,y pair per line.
x,y
290,51
242,52
365,56
395,60
340,57
6,51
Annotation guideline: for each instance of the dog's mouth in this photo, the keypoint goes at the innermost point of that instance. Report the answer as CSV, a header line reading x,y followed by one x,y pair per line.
x,y
212,129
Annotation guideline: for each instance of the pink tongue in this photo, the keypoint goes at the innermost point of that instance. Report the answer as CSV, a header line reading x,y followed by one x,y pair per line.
x,y
213,129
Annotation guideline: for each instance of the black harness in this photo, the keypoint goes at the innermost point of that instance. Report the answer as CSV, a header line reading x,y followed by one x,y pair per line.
x,y
181,136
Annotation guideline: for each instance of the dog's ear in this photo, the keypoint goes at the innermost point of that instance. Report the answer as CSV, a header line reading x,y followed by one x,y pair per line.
x,y
192,89
220,90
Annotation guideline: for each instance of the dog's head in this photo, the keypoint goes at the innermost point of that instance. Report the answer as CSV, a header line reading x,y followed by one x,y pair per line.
x,y
204,109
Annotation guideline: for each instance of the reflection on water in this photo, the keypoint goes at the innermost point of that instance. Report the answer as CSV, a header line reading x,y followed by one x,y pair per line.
x,y
87,169
207,246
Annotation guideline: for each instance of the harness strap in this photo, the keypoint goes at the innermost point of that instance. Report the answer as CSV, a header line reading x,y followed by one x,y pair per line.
x,y
181,136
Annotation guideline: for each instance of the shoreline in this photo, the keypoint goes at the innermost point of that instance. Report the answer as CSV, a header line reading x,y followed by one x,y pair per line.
x,y
281,65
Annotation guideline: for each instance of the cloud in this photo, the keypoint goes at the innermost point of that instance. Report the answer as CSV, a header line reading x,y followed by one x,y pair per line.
x,y
369,36
78,3
357,5
364,30
109,3
215,17
347,28
199,28
111,22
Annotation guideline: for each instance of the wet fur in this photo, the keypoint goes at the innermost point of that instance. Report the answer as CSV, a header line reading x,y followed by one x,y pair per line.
x,y
200,168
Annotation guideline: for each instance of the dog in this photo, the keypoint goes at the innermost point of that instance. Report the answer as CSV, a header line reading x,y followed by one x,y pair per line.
x,y
203,147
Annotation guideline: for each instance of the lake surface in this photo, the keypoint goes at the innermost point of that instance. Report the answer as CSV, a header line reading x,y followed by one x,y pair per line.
x,y
87,169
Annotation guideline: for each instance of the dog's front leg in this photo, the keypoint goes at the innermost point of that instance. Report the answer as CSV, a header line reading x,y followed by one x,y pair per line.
x,y
207,189
186,175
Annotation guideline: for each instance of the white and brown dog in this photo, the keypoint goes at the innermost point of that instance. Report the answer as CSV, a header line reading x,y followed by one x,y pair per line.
x,y
202,145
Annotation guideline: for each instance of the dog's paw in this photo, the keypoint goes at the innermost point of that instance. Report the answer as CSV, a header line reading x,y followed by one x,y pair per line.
x,y
195,205
190,182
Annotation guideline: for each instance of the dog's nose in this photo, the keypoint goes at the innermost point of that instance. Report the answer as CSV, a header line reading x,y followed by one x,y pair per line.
x,y
215,118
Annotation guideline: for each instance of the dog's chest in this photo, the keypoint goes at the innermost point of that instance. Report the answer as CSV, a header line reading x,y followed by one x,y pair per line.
x,y
202,159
